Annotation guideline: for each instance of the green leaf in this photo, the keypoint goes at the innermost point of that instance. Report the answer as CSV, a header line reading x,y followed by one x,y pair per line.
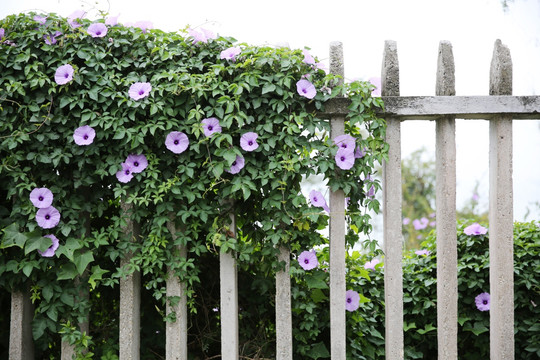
x,y
13,237
67,299
97,274
268,87
47,292
71,245
317,280
67,272
428,328
36,242
81,261
319,350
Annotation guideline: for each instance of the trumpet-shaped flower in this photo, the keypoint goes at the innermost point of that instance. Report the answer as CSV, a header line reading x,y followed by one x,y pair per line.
x,y
64,74
371,192
84,135
230,53
352,300
420,224
248,141
139,90
370,265
177,142
41,197
40,19
422,252
308,260
112,20
308,59
72,19
51,38
144,25
201,36
51,249
345,141
48,217
317,199
125,174
306,89
97,30
344,159
237,165
475,229
377,82
136,162
211,126
359,153
483,301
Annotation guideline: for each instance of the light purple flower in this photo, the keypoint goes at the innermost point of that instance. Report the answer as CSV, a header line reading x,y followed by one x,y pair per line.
x,y
359,153
139,90
64,74
124,175
475,229
237,165
201,36
230,53
420,224
41,197
211,126
475,197
40,19
422,252
345,141
84,135
177,142
48,217
136,162
77,14
377,82
433,223
370,265
308,260
51,38
97,30
306,89
371,192
308,59
432,215
52,249
112,20
483,301
144,25
352,300
344,159
2,33
248,141
317,199
406,221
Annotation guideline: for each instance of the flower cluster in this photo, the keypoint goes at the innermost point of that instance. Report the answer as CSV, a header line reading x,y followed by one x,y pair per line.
x,y
47,216
134,164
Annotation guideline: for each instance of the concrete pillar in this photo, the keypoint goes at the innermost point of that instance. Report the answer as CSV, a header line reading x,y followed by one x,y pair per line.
x,y
284,343
21,345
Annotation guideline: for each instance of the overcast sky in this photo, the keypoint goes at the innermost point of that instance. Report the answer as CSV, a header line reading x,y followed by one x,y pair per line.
x,y
362,25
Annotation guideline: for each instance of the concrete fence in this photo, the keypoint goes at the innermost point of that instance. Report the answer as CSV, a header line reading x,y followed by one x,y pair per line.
x,y
499,108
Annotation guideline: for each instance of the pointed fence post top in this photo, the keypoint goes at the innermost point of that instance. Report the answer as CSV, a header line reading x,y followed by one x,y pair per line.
x,y
446,78
390,70
500,77
337,66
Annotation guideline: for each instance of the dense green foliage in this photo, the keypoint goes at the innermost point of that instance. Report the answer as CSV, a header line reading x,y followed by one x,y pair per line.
x,y
191,191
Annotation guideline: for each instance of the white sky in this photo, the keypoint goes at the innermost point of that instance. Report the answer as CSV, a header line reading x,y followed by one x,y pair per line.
x,y
362,25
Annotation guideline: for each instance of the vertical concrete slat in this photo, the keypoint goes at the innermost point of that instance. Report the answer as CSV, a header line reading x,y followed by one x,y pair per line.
x,y
447,289
176,332
392,198
501,217
284,343
229,301
337,234
130,296
21,345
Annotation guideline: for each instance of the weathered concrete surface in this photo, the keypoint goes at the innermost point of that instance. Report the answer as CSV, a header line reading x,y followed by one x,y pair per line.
x,y
284,342
21,345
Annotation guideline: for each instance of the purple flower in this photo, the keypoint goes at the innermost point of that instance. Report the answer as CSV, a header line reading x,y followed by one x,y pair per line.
x,y
475,197
420,224
248,141
97,30
359,153
112,20
139,90
52,249
475,229
344,158
230,53
2,33
77,14
237,165
125,175
211,126
64,74
41,197
48,217
51,38
377,82
144,25
371,192
40,19
137,163
306,89
422,252
317,199
482,301
370,265
345,141
308,59
201,36
308,260
406,221
84,135
352,300
177,142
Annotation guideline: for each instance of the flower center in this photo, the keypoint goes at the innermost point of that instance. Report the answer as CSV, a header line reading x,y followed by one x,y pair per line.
x,y
349,300
176,142
141,92
342,158
136,163
66,75
304,91
306,261
98,33
250,143
47,217
210,127
127,172
234,163
40,198
85,137
484,302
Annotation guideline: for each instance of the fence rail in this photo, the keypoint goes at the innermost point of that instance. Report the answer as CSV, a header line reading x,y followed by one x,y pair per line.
x,y
499,107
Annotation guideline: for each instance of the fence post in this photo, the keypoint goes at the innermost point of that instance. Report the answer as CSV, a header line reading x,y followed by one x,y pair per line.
x,y
447,291
501,245
130,295
284,344
337,233
21,345
392,198
229,299
176,332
